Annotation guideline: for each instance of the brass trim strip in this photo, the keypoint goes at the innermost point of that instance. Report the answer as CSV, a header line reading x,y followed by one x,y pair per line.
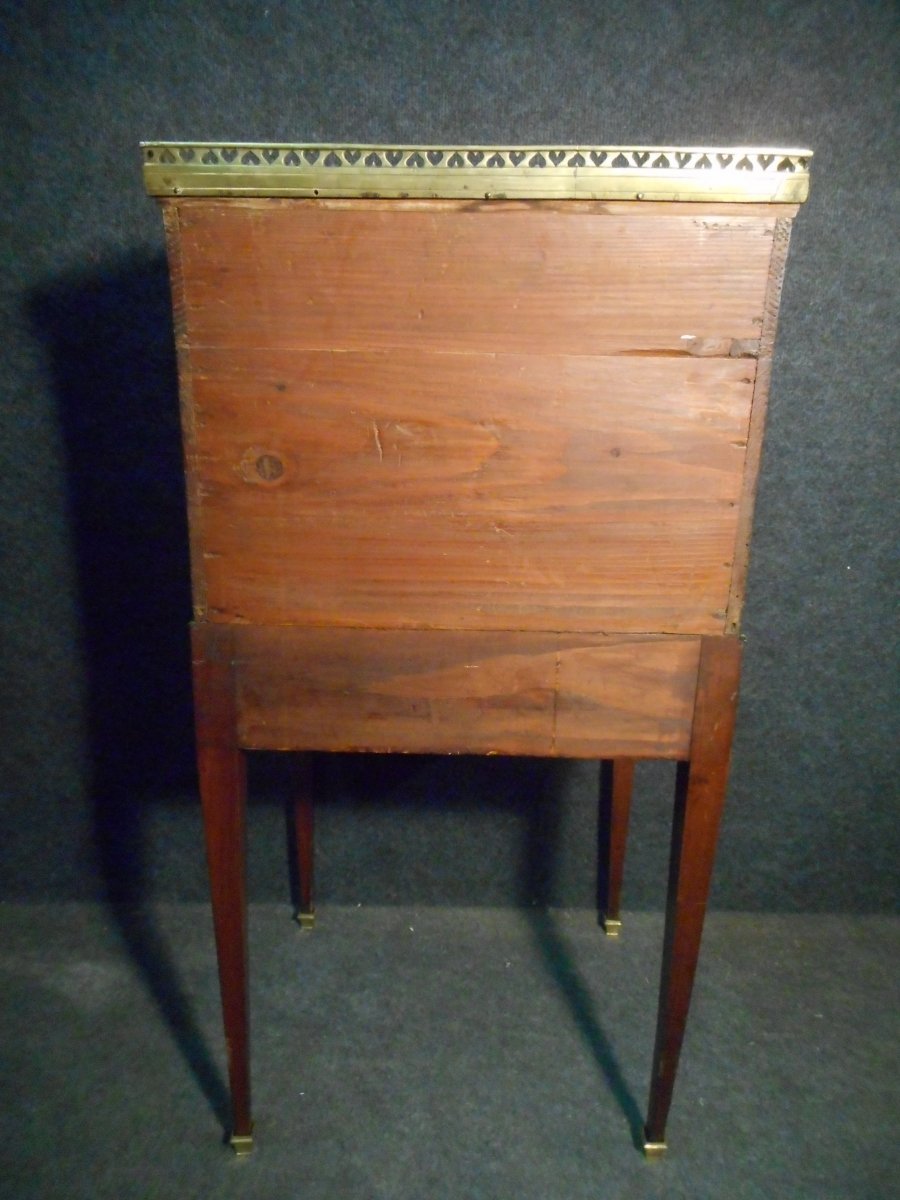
x,y
477,172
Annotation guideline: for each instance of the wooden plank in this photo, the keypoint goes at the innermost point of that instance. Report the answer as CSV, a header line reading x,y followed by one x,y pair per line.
x,y
594,208
185,383
516,278
459,692
476,491
760,406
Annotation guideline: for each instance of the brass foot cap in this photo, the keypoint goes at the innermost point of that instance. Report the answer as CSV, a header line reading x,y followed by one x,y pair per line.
x,y
654,1149
241,1144
306,920
612,927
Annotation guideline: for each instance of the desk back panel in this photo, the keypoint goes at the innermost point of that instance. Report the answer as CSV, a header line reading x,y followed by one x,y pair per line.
x,y
463,415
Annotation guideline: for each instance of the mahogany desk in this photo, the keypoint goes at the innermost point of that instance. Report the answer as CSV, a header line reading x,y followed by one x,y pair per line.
x,y
472,437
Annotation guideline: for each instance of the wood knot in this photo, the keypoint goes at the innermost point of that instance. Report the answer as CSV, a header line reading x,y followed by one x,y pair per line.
x,y
262,466
269,467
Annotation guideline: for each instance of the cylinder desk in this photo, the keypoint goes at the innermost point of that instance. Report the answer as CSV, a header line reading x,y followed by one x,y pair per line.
x,y
471,437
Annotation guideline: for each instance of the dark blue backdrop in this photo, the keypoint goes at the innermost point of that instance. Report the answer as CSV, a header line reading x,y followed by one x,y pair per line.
x,y
97,779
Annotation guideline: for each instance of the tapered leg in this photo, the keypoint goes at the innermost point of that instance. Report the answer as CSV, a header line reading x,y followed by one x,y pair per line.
x,y
222,770
700,794
616,783
304,839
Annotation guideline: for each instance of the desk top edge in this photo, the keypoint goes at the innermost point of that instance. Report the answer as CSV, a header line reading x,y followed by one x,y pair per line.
x,y
236,169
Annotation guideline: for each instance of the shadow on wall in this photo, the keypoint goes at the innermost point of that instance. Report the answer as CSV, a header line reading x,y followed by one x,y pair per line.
x,y
108,338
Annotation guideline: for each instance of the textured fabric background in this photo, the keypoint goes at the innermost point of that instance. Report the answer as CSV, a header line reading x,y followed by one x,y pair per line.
x,y
97,778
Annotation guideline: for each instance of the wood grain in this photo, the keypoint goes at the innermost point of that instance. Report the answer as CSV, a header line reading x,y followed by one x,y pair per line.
x,y
777,264
458,692
172,225
221,767
699,800
476,491
461,415
496,279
